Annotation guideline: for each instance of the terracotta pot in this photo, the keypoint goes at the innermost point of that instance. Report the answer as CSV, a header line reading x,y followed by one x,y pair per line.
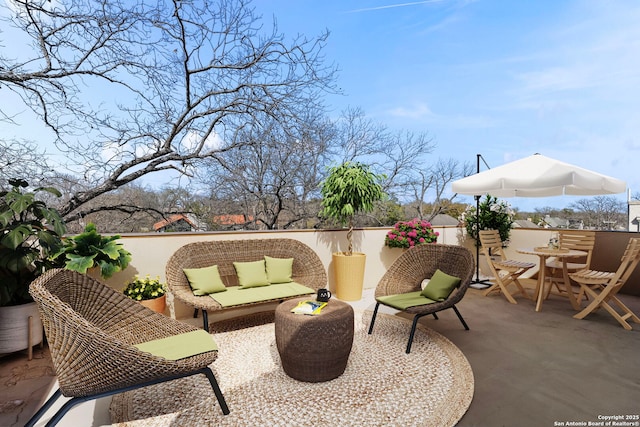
x,y
94,273
157,304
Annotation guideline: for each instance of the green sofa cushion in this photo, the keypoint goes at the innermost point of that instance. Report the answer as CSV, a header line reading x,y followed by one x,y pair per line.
x,y
279,270
440,286
236,295
204,281
180,346
251,274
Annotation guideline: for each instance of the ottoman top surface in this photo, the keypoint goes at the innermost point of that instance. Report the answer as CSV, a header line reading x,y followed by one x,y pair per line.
x,y
332,308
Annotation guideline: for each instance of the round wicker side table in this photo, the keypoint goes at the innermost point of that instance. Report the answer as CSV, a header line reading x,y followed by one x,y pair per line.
x,y
314,348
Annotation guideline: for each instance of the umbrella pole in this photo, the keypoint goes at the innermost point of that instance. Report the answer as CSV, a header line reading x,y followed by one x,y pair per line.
x,y
477,283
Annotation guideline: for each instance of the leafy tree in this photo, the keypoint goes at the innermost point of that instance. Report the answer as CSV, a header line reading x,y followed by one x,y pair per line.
x,y
391,212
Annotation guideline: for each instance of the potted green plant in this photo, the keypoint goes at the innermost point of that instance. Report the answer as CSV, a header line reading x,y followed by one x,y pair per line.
x,y
90,249
349,188
491,214
150,292
30,232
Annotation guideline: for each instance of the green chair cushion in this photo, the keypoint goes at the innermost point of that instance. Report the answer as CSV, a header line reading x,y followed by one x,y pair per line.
x,y
251,274
440,286
180,346
279,270
404,301
204,281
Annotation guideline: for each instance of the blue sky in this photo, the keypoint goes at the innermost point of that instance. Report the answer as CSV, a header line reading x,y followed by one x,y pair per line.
x,y
501,78
504,79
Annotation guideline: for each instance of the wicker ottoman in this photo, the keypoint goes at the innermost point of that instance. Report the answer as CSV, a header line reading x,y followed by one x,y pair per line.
x,y
314,348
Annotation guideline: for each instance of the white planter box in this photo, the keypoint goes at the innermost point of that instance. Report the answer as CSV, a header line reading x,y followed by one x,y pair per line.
x,y
14,327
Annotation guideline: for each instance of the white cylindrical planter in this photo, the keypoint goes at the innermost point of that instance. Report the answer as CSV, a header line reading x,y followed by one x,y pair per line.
x,y
15,329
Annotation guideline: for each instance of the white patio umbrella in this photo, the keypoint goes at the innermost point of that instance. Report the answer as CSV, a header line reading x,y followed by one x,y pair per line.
x,y
538,176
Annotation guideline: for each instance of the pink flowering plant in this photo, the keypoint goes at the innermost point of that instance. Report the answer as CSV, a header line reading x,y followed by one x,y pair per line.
x,y
407,234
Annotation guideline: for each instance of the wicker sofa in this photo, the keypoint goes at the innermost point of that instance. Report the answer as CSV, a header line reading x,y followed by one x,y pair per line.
x,y
308,270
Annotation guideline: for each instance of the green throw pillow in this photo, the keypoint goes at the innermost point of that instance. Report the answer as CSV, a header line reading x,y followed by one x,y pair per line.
x,y
204,281
279,270
251,274
440,286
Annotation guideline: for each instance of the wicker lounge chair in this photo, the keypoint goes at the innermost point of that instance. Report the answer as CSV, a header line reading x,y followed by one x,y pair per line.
x,y
416,264
308,269
92,329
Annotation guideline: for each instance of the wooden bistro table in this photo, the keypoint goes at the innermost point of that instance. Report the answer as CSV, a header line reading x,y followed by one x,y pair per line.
x,y
562,254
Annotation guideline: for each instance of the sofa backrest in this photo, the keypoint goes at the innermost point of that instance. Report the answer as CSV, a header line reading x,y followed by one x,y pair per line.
x,y
307,266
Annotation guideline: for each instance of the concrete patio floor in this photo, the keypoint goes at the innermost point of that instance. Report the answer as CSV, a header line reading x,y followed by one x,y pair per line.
x,y
531,368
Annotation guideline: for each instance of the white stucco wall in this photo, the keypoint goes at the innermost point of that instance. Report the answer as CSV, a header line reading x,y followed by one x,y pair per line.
x,y
151,251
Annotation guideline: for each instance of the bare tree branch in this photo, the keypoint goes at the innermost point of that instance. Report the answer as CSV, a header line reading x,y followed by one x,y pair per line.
x,y
23,159
600,212
275,175
134,88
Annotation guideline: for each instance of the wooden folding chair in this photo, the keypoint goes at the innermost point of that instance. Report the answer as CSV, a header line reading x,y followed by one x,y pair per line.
x,y
580,240
505,271
603,286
